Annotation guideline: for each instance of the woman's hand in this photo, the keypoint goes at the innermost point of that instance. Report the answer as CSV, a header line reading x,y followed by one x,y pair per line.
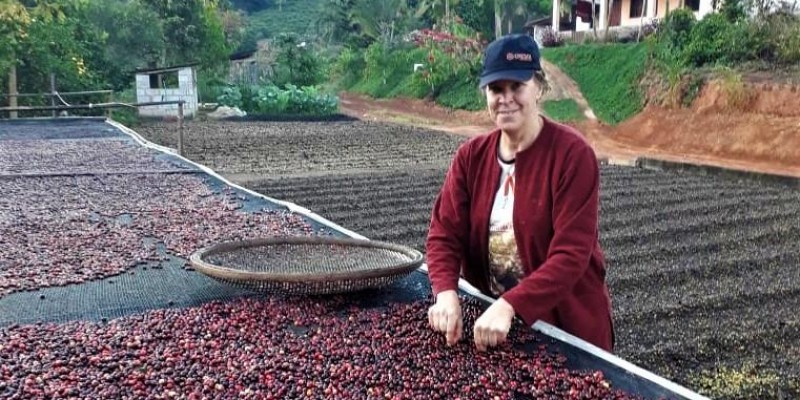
x,y
492,327
445,316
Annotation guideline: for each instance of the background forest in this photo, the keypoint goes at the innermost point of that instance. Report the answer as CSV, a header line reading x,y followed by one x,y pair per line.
x,y
310,49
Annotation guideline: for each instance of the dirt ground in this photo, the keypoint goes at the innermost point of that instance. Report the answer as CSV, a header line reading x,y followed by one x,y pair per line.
x,y
761,134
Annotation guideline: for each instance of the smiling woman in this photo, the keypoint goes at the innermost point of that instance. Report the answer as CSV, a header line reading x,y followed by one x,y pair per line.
x,y
517,215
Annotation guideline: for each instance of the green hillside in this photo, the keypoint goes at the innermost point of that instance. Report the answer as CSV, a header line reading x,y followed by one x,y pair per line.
x,y
293,16
607,74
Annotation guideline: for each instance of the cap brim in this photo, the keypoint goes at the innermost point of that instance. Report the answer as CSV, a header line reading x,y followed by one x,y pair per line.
x,y
519,75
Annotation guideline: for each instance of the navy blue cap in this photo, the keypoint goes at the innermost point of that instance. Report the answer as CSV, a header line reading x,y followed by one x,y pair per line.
x,y
511,57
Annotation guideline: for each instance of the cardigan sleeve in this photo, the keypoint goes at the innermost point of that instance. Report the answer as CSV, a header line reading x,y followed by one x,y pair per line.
x,y
575,230
449,229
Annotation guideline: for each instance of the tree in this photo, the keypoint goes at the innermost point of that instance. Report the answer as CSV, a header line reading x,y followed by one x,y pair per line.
x,y
506,11
376,18
296,62
193,30
361,22
609,5
334,22
439,10
51,37
251,5
134,37
15,20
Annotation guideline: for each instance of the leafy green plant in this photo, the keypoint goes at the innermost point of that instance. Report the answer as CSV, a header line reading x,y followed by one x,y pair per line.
x,y
270,99
293,100
231,97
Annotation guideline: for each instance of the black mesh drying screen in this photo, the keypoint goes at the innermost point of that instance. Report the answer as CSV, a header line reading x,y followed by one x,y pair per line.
x,y
307,265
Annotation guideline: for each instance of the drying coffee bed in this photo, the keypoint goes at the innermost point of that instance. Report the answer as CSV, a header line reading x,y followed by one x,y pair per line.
x,y
704,271
283,349
121,339
723,256
89,206
255,149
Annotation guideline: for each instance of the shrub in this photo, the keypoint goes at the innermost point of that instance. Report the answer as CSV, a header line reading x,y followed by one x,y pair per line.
x,y
779,35
676,28
737,95
348,65
550,38
715,40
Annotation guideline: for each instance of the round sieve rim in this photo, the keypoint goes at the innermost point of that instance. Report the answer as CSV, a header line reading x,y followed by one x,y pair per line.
x,y
222,272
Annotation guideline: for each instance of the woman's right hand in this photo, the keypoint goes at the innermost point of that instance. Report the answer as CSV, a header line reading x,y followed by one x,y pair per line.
x,y
445,316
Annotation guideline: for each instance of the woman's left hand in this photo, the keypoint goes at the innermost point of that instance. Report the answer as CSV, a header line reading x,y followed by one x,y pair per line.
x,y
492,327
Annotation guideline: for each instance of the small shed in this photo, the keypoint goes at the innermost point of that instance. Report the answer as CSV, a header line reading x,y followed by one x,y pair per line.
x,y
251,66
537,29
167,84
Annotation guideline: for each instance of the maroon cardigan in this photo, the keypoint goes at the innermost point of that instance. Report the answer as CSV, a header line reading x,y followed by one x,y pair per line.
x,y
556,201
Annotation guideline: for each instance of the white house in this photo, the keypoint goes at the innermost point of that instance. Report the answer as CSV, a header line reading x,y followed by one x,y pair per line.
x,y
623,13
167,84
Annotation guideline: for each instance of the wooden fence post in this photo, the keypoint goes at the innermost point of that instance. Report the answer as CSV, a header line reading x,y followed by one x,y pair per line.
x,y
12,91
180,128
53,93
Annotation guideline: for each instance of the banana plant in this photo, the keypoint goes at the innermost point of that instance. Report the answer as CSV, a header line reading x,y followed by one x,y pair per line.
x,y
438,9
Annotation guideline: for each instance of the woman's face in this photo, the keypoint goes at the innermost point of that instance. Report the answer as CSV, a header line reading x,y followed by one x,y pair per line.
x,y
512,104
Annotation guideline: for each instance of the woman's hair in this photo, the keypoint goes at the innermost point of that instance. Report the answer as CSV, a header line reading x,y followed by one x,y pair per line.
x,y
541,79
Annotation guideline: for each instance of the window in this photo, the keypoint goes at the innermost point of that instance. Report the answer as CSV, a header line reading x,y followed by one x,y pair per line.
x,y
637,7
166,80
154,81
693,5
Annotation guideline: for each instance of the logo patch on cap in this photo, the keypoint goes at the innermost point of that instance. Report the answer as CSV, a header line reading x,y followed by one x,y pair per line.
x,y
519,57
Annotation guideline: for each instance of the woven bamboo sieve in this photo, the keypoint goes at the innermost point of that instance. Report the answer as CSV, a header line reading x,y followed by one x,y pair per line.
x,y
306,265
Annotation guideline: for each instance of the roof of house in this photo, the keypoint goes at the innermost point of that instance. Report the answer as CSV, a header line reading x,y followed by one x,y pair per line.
x,y
543,21
241,55
164,69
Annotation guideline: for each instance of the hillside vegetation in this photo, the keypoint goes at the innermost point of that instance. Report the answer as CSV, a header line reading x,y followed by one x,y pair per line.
x,y
607,74
294,17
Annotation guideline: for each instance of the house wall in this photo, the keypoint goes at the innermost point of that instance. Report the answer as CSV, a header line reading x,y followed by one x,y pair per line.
x,y
186,91
661,8
660,12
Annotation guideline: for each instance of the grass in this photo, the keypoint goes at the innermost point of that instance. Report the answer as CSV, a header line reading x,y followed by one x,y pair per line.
x,y
565,110
607,74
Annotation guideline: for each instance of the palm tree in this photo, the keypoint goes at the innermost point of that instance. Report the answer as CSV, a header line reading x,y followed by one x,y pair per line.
x,y
505,11
439,9
377,17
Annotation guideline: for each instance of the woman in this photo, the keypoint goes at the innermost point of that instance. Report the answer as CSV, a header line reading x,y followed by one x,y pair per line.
x,y
517,215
